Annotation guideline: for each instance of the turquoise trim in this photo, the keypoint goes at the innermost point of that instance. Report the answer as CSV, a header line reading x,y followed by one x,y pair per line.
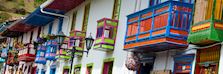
x,y
50,28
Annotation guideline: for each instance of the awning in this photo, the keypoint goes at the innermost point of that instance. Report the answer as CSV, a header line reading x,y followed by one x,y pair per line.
x,y
20,27
37,18
8,33
64,5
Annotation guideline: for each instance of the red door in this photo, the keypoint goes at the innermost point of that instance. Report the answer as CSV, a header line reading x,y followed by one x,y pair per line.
x,y
33,71
108,68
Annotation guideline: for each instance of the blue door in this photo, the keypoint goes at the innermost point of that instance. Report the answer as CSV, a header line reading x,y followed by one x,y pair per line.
x,y
53,71
43,72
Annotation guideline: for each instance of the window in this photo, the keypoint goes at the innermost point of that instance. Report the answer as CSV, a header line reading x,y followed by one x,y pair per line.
x,y
99,32
160,21
42,53
116,9
108,33
32,51
108,67
86,16
53,49
132,29
74,21
145,25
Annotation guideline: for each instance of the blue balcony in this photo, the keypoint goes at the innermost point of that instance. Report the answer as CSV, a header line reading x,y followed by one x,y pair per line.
x,y
40,56
51,48
160,27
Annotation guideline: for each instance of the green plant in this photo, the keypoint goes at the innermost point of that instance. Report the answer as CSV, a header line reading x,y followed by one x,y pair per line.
x,y
38,2
4,16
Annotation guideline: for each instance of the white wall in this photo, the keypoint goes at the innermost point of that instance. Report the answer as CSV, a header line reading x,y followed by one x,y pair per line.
x,y
164,60
221,61
79,18
100,9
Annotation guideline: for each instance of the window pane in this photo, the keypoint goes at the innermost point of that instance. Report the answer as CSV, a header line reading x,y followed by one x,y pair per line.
x,y
99,32
129,30
41,53
145,25
106,33
133,29
32,51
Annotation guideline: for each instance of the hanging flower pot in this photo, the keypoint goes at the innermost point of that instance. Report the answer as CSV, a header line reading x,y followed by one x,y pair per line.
x,y
19,45
50,36
41,40
16,45
132,62
4,45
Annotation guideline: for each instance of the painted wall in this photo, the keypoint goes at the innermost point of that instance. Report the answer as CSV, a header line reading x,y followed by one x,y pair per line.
x,y
100,9
164,60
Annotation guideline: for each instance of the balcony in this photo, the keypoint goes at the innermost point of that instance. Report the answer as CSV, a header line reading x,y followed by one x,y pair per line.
x,y
79,35
106,34
40,56
12,58
27,54
208,25
160,27
64,53
51,48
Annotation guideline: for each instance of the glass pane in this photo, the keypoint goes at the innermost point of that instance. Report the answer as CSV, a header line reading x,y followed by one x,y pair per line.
x,y
32,51
99,32
145,25
106,33
41,53
77,43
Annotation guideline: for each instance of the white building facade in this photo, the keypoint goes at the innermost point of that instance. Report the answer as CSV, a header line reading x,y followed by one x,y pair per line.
x,y
84,17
